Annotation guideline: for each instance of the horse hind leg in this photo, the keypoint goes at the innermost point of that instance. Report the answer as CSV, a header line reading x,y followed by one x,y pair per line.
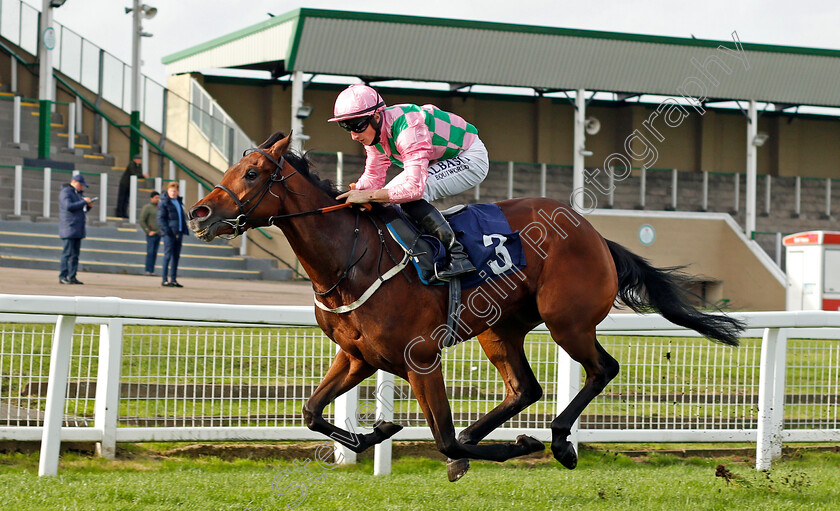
x,y
503,345
600,369
430,391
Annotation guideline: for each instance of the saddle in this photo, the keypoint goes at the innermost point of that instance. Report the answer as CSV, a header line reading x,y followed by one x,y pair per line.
x,y
493,248
486,236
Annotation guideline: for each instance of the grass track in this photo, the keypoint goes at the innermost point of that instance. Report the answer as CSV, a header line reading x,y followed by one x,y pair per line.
x,y
602,481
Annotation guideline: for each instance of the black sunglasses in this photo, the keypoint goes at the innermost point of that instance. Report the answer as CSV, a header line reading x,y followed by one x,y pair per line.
x,y
356,124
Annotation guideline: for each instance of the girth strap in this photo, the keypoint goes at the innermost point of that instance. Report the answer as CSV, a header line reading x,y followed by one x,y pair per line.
x,y
369,292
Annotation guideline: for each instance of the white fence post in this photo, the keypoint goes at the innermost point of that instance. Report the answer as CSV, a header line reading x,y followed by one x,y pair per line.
x,y
779,249
797,197
56,389
704,205
510,180
737,192
13,82
79,112
107,406
145,156
159,184
103,136
103,197
199,194
71,125
384,412
339,169
568,385
828,197
18,190
767,189
543,179
47,189
132,201
642,188
243,244
771,397
16,121
172,173
674,177
346,406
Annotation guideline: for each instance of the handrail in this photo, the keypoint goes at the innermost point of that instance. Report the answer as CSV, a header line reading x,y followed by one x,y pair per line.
x,y
92,106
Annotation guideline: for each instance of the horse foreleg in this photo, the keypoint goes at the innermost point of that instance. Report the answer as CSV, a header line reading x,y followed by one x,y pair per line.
x,y
430,391
344,373
504,348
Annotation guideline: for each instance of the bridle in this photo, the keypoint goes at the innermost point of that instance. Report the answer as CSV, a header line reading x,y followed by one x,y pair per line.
x,y
238,223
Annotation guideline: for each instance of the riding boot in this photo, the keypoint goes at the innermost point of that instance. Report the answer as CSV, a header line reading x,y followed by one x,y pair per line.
x,y
432,222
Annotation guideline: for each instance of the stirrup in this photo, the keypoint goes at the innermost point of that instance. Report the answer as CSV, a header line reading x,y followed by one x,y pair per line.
x,y
456,268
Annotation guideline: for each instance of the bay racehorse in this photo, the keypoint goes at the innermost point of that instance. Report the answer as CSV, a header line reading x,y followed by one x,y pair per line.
x,y
572,278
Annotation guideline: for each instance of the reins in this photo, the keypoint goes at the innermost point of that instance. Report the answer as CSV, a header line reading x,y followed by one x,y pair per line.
x,y
244,217
238,225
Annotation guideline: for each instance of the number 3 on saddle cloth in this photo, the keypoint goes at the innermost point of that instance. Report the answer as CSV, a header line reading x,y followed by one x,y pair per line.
x,y
484,231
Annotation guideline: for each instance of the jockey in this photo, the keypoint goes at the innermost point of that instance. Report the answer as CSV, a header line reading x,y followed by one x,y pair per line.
x,y
440,152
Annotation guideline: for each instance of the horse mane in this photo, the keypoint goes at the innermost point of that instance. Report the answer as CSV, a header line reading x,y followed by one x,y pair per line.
x,y
302,164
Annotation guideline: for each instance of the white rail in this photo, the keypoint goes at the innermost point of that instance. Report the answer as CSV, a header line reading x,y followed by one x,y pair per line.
x,y
120,365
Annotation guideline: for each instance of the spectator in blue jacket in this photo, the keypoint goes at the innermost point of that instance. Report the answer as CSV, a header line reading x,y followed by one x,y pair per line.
x,y
172,220
72,209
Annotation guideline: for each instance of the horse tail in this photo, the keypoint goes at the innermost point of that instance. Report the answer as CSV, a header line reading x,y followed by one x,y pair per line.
x,y
645,288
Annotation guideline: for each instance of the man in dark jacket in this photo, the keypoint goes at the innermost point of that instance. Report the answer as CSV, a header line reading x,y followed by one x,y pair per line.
x,y
172,220
134,168
72,208
149,224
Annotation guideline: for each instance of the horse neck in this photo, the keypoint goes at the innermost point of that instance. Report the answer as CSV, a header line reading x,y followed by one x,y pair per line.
x,y
322,242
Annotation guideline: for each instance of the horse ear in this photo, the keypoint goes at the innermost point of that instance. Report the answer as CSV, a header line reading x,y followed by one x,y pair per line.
x,y
282,146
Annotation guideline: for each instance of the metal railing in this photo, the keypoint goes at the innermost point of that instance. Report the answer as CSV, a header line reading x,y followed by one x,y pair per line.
x,y
109,77
133,371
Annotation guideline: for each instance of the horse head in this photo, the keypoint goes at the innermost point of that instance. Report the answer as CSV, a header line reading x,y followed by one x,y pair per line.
x,y
249,194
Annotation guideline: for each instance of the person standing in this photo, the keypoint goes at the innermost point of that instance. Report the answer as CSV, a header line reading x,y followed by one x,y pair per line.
x,y
172,221
134,168
72,210
149,224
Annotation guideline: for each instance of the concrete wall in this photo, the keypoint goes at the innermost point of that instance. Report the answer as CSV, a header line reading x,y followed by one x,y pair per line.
x,y
708,244
531,129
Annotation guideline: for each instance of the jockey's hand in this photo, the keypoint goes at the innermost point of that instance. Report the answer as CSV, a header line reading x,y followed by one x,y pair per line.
x,y
364,196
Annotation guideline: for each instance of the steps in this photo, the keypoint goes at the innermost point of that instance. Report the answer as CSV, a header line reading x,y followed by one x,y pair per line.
x,y
84,157
109,249
32,195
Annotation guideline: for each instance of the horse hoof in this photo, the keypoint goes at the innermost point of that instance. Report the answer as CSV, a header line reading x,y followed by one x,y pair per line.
x,y
565,454
456,469
530,443
386,430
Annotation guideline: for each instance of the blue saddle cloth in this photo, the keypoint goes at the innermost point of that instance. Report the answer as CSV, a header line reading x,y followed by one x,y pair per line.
x,y
493,247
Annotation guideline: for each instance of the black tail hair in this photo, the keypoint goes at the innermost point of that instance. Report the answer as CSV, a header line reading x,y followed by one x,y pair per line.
x,y
645,288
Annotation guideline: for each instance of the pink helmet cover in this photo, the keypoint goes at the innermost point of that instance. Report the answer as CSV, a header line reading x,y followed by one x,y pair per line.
x,y
356,101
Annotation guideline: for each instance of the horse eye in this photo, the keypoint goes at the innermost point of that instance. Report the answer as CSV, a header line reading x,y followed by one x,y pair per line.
x,y
251,175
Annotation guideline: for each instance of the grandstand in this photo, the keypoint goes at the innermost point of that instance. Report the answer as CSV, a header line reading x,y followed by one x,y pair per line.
x,y
526,89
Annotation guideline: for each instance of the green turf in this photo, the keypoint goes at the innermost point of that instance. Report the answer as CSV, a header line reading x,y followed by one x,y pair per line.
x,y
602,481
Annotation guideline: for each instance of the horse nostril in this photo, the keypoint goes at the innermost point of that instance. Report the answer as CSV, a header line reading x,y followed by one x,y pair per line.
x,y
200,212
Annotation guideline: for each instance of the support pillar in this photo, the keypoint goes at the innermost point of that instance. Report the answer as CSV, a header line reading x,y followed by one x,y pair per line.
x,y
579,148
752,158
